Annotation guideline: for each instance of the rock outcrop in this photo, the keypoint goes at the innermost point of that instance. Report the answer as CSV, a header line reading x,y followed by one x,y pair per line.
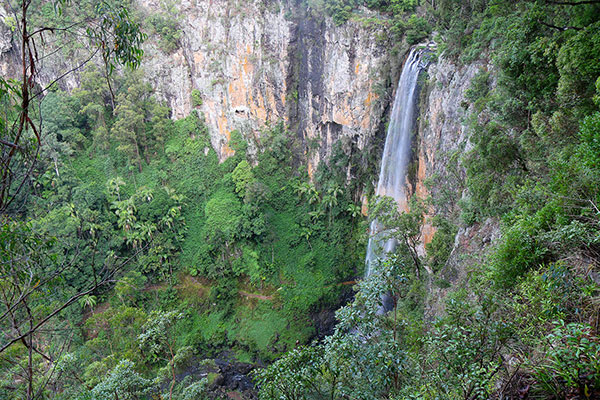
x,y
441,145
255,64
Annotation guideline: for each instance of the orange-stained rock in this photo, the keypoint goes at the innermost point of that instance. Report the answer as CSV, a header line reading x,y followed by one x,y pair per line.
x,y
239,60
198,58
370,97
421,192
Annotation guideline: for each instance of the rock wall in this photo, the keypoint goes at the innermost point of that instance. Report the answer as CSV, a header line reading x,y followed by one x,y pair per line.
x,y
255,64
235,55
442,137
442,142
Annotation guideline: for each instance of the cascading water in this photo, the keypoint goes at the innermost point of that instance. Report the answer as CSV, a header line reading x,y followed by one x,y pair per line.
x,y
396,154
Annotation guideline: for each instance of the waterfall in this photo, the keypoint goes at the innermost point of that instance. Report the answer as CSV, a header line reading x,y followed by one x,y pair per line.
x,y
396,153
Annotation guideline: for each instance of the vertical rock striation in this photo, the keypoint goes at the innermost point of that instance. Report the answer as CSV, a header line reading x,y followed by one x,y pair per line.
x,y
443,143
255,64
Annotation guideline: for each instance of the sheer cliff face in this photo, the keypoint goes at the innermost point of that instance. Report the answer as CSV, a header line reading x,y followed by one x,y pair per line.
x,y
253,64
235,55
441,145
443,136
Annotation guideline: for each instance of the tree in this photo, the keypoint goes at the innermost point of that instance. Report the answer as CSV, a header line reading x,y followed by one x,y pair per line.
x,y
402,227
33,296
330,200
242,177
295,376
123,383
224,216
109,30
60,134
464,349
129,127
93,95
361,360
157,340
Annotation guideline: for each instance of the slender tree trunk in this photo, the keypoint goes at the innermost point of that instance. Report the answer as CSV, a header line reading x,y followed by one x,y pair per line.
x,y
29,356
414,256
6,175
172,371
146,153
22,125
137,152
107,75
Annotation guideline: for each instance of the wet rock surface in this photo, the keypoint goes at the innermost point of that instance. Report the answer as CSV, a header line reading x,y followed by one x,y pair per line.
x,y
235,375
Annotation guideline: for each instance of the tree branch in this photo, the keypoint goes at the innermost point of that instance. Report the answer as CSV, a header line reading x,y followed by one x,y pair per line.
x,y
573,3
49,316
560,28
73,299
52,29
9,144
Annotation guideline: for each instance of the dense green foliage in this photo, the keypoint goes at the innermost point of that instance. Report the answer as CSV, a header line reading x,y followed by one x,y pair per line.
x,y
241,240
396,18
146,257
522,321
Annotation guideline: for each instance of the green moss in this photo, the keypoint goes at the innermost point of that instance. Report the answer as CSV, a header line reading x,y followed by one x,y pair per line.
x,y
212,377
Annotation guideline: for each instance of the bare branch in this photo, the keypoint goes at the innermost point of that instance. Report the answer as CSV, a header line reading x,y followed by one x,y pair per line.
x,y
9,144
65,74
108,279
560,28
53,28
49,316
573,3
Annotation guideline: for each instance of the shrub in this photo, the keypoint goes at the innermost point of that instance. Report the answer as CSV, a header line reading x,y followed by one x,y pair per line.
x,y
519,250
440,247
168,30
223,212
589,149
479,86
572,363
464,348
417,29
196,98
123,382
